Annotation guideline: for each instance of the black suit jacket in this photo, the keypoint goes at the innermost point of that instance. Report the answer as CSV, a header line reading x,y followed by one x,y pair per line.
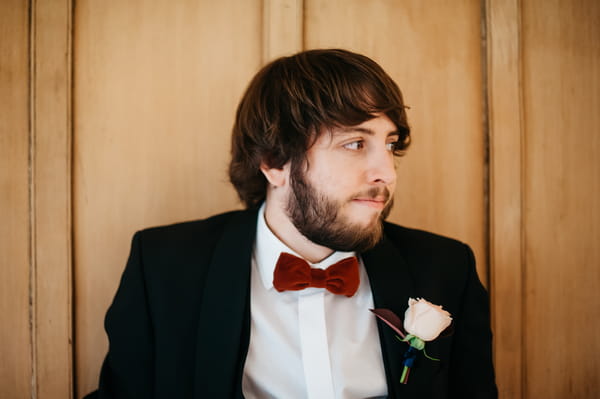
x,y
179,324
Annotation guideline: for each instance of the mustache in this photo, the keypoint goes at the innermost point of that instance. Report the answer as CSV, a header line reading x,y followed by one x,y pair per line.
x,y
375,192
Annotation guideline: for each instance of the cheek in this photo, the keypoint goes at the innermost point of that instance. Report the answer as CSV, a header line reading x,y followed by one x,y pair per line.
x,y
392,187
338,185
337,174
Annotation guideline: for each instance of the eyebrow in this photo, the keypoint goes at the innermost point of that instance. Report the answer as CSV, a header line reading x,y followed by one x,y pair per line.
x,y
353,129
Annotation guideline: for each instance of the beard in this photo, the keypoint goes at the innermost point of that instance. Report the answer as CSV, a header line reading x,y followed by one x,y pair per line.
x,y
318,218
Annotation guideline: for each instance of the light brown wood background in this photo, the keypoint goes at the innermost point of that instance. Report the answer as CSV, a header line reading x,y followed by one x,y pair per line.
x,y
116,116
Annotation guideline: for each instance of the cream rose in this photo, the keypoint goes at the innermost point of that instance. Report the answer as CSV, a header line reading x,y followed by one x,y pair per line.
x,y
425,320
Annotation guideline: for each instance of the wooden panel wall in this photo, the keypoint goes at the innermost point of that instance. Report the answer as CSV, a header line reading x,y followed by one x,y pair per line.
x,y
51,205
35,210
282,28
506,137
561,107
154,90
544,97
156,87
15,339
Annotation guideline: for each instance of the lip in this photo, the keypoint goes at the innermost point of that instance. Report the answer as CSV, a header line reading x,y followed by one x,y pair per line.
x,y
376,203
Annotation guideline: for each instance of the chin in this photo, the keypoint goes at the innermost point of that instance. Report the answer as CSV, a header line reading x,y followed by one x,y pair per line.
x,y
368,220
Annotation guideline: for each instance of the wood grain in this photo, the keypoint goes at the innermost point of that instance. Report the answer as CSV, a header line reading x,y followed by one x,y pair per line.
x,y
51,131
16,350
561,86
156,87
283,28
506,186
436,61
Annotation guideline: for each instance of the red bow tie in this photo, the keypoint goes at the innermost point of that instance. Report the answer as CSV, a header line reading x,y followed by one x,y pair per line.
x,y
293,274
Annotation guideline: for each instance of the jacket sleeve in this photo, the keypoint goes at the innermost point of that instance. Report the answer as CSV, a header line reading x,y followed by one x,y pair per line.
x,y
127,371
471,368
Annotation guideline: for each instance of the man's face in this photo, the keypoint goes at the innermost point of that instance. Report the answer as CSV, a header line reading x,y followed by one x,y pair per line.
x,y
340,197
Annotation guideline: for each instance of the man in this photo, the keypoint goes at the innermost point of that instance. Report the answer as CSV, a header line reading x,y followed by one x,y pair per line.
x,y
205,309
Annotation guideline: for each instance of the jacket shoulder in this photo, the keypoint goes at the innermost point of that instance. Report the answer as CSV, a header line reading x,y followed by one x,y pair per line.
x,y
432,256
181,244
209,229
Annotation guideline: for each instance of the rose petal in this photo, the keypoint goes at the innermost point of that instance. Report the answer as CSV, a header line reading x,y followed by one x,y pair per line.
x,y
425,320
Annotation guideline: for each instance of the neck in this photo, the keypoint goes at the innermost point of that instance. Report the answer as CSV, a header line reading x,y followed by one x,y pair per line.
x,y
280,224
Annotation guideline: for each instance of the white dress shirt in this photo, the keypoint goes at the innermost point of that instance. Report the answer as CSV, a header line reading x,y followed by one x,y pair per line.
x,y
310,343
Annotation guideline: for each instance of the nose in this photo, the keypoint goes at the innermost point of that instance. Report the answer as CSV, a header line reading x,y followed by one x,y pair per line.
x,y
382,168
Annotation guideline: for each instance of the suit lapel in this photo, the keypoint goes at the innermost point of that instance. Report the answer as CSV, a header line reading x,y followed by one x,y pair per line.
x,y
391,282
224,322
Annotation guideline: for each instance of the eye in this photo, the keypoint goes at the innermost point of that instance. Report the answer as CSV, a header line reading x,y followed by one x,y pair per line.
x,y
355,145
392,146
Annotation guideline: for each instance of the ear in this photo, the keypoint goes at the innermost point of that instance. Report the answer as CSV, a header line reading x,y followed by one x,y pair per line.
x,y
277,177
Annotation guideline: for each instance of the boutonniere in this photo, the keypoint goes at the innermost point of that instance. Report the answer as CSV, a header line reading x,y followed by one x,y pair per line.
x,y
423,322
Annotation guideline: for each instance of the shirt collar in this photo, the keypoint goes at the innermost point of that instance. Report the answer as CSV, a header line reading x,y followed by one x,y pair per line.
x,y
268,248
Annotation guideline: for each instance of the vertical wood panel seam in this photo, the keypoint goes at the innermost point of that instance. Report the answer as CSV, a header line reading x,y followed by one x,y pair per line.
x,y
486,146
31,197
69,86
522,152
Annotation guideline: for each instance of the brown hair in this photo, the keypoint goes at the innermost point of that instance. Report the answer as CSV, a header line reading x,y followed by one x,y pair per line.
x,y
292,99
